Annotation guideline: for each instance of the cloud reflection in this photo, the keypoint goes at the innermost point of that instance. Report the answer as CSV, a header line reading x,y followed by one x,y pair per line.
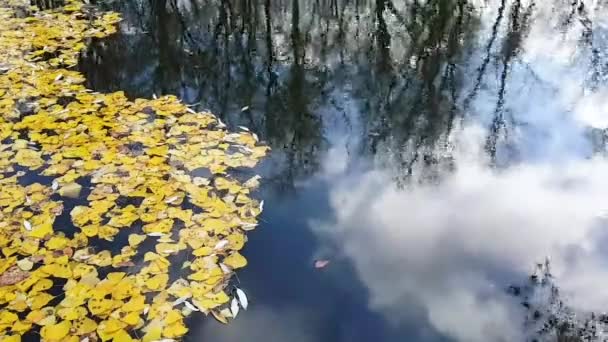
x,y
452,247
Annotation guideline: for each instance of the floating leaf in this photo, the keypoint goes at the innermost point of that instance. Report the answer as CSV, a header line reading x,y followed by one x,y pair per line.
x,y
235,260
137,158
25,264
56,331
219,317
71,190
242,298
234,307
321,263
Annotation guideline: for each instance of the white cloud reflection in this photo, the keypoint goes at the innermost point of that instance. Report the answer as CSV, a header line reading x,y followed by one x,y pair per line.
x,y
452,248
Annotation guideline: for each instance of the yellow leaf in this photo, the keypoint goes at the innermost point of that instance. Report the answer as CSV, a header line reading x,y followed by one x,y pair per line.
x,y
71,314
122,336
45,316
41,285
100,306
101,259
41,230
84,326
136,303
39,300
29,158
235,260
7,317
70,190
175,330
57,242
154,333
157,282
131,318
237,240
56,331
136,239
173,316
57,270
21,327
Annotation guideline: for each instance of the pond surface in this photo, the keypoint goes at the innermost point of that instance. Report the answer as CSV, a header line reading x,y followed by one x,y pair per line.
x,y
433,151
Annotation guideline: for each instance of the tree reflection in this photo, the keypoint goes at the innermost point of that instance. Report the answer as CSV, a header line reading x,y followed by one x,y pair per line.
x,y
405,64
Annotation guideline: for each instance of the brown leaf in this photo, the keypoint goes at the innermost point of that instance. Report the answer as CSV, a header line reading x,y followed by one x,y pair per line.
x,y
12,276
68,251
37,258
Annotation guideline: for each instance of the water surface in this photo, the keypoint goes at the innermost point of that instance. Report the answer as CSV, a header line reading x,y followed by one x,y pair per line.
x,y
433,151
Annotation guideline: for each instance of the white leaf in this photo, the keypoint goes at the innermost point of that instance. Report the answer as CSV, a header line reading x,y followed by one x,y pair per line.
x,y
220,124
242,298
180,300
190,110
252,182
225,269
190,306
60,76
244,128
55,185
25,264
27,225
244,108
255,136
262,206
171,199
154,96
234,307
155,234
221,244
146,309
248,226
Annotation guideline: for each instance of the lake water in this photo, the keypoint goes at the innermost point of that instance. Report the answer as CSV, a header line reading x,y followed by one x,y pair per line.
x,y
434,151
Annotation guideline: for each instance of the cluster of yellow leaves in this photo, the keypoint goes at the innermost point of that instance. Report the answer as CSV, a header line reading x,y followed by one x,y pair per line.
x,y
119,166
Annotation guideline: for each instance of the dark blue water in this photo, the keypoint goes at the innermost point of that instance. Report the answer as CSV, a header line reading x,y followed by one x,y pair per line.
x,y
343,88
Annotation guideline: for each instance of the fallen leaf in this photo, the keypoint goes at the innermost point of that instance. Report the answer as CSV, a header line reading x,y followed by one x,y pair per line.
x,y
234,307
321,263
242,298
219,317
25,264
13,276
70,190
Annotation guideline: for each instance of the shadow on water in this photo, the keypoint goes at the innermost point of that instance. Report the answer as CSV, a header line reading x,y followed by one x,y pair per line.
x,y
332,84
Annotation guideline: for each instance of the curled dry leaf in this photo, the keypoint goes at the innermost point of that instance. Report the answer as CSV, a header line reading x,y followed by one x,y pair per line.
x,y
220,318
